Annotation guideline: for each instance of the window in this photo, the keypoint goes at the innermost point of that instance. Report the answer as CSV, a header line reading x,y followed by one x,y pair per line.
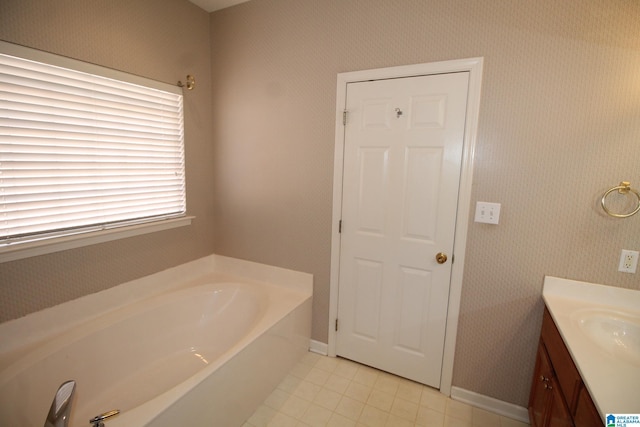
x,y
84,148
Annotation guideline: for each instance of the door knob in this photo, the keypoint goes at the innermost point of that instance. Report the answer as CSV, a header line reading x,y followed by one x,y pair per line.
x,y
441,258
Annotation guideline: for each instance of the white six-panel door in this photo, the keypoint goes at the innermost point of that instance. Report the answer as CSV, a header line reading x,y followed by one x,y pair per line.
x,y
402,159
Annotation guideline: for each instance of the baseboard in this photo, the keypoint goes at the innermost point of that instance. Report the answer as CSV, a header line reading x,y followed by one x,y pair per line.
x,y
490,404
318,347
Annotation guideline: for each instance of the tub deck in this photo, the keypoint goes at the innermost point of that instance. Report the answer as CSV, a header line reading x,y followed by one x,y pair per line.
x,y
162,351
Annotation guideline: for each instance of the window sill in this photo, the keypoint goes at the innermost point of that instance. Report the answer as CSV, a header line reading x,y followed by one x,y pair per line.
x,y
42,247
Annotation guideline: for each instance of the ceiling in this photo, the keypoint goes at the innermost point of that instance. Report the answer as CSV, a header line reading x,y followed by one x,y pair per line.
x,y
213,5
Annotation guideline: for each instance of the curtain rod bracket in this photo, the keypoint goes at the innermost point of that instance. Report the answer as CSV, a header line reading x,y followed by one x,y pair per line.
x,y
189,84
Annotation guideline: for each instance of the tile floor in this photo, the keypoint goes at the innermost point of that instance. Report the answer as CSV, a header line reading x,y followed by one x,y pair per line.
x,y
334,392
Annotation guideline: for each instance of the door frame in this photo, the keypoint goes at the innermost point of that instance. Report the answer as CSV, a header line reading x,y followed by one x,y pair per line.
x,y
474,67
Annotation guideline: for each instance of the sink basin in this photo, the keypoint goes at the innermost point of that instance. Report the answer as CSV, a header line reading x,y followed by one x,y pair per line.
x,y
616,332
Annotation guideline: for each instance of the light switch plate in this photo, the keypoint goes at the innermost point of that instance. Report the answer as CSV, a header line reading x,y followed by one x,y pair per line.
x,y
488,213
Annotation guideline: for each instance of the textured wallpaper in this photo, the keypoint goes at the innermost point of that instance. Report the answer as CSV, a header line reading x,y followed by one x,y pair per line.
x,y
559,124
162,40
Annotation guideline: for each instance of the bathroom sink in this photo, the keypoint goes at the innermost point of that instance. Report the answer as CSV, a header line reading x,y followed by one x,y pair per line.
x,y
616,332
600,326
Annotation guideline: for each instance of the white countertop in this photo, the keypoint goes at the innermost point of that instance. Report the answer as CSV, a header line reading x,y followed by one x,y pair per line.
x,y
612,375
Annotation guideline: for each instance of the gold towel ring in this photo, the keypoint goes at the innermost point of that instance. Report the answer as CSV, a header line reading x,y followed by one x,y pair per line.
x,y
623,188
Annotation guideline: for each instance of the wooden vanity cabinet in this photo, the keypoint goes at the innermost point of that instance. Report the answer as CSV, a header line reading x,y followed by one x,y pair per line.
x,y
558,396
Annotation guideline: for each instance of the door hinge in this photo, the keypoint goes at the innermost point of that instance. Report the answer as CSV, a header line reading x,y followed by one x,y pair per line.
x,y
340,226
344,118
336,324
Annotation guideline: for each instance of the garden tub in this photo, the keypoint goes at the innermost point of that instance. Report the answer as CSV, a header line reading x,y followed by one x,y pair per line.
x,y
200,344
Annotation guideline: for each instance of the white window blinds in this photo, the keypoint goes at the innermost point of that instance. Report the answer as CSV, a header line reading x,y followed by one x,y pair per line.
x,y
80,151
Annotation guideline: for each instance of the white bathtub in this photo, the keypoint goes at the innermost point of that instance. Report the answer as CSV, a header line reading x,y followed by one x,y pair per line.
x,y
204,350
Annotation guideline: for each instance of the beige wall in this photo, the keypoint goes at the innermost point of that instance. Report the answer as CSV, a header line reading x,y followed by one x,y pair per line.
x,y
162,40
559,125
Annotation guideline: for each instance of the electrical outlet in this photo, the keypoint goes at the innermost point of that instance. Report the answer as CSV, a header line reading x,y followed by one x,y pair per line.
x,y
628,261
487,212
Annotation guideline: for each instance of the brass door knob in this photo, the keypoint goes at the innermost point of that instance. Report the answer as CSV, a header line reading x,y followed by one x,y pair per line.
x,y
441,258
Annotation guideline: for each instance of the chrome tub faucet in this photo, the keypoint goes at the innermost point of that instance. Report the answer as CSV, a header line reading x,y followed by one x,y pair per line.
x,y
61,406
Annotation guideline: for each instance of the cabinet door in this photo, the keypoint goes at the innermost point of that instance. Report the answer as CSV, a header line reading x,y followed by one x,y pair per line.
x,y
540,398
566,372
559,415
586,413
